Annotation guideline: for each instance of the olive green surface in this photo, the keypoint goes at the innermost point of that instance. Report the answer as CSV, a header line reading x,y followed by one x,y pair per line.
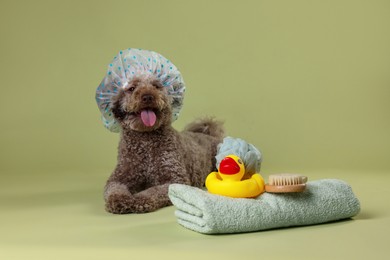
x,y
307,82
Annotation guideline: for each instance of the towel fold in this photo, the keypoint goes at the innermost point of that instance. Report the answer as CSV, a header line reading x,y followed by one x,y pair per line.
x,y
322,201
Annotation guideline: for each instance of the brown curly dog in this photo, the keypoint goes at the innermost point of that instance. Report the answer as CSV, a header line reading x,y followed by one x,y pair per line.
x,y
152,155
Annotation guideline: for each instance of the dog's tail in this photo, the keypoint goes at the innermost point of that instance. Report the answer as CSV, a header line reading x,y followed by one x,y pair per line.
x,y
208,126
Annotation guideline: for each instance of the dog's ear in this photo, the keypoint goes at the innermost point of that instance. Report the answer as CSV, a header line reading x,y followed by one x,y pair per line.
x,y
116,108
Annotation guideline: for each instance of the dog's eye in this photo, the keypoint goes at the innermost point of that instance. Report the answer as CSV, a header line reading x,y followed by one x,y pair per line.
x,y
131,89
157,85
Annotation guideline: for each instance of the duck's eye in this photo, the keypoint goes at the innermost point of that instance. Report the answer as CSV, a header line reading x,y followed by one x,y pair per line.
x,y
239,161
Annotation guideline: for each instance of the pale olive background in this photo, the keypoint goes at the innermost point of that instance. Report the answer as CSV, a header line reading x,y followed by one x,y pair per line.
x,y
308,82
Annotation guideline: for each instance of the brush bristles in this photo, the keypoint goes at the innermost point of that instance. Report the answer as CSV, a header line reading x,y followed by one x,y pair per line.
x,y
286,179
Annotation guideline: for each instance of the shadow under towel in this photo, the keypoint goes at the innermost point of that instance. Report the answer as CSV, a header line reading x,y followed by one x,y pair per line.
x,y
322,201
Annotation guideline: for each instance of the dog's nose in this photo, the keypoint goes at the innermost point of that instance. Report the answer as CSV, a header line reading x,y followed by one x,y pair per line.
x,y
147,98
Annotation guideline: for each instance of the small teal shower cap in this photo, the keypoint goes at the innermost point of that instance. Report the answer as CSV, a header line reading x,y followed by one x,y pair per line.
x,y
248,153
130,63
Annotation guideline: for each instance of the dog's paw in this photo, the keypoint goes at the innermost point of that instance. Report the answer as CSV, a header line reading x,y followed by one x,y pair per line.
x,y
119,203
125,204
143,205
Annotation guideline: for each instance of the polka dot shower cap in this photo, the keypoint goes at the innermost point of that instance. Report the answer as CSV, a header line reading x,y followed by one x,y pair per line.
x,y
250,155
135,62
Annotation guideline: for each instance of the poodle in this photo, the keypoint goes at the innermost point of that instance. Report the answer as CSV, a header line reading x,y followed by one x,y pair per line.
x,y
151,153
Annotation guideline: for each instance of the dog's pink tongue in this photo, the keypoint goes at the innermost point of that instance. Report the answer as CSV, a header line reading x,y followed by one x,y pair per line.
x,y
148,117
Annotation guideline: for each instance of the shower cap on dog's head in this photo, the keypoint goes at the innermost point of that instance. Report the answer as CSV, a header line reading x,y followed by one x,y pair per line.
x,y
129,64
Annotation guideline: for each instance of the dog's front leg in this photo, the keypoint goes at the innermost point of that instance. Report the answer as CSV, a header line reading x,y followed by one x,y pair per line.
x,y
120,187
151,199
156,196
118,198
129,192
121,201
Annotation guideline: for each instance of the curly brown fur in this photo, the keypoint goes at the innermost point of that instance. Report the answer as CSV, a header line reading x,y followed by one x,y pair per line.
x,y
150,158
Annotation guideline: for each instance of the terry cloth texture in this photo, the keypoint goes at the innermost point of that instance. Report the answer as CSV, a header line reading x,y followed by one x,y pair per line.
x,y
322,201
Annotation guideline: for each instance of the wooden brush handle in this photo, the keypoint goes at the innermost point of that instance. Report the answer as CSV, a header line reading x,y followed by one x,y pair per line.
x,y
285,188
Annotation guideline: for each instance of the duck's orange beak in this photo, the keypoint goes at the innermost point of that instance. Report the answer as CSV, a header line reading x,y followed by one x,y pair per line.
x,y
229,166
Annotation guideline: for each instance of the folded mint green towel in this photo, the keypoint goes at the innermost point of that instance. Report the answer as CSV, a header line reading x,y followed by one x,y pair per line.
x,y
322,201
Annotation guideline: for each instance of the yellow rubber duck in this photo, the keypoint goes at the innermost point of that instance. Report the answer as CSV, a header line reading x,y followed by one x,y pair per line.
x,y
228,181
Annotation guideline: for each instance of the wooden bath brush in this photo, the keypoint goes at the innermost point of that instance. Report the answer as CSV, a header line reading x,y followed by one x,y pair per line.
x,y
286,183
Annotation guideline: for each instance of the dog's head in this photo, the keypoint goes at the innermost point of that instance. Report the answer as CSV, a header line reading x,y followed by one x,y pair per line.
x,y
142,105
